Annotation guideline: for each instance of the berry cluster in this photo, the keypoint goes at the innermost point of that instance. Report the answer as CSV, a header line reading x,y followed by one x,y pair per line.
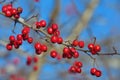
x,y
32,59
76,43
69,52
53,30
9,11
40,24
39,48
19,39
95,72
94,48
76,67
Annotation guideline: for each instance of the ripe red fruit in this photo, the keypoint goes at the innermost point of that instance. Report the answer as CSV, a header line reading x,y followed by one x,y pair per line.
x,y
53,54
16,16
16,45
75,43
38,52
4,9
50,30
43,48
30,40
78,64
75,54
19,37
81,44
19,42
8,13
35,59
78,70
66,50
93,71
9,6
60,40
93,52
14,11
72,49
37,46
35,68
72,69
25,37
56,33
42,23
29,60
54,27
9,47
90,46
97,48
19,10
98,73
25,30
54,39
12,38
38,25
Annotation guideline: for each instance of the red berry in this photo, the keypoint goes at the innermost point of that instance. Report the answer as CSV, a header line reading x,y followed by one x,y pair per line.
x,y
72,69
38,52
72,49
19,42
35,68
12,38
29,60
50,30
54,39
19,37
8,13
16,45
69,55
38,25
37,46
25,30
78,70
75,54
54,27
93,52
97,48
78,64
75,43
9,47
43,48
90,46
43,23
19,10
35,59
66,50
16,16
53,54
25,37
30,40
60,40
14,11
57,33
81,44
4,9
9,6
98,73
93,71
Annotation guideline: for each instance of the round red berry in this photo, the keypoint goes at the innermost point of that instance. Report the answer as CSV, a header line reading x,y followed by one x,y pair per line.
x,y
72,69
30,40
9,47
43,23
66,50
37,46
35,59
93,71
97,48
53,54
50,30
90,46
78,70
9,6
54,39
12,38
98,73
60,40
75,43
38,25
81,44
16,16
4,9
19,37
38,52
8,13
78,64
14,11
43,48
54,27
75,54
